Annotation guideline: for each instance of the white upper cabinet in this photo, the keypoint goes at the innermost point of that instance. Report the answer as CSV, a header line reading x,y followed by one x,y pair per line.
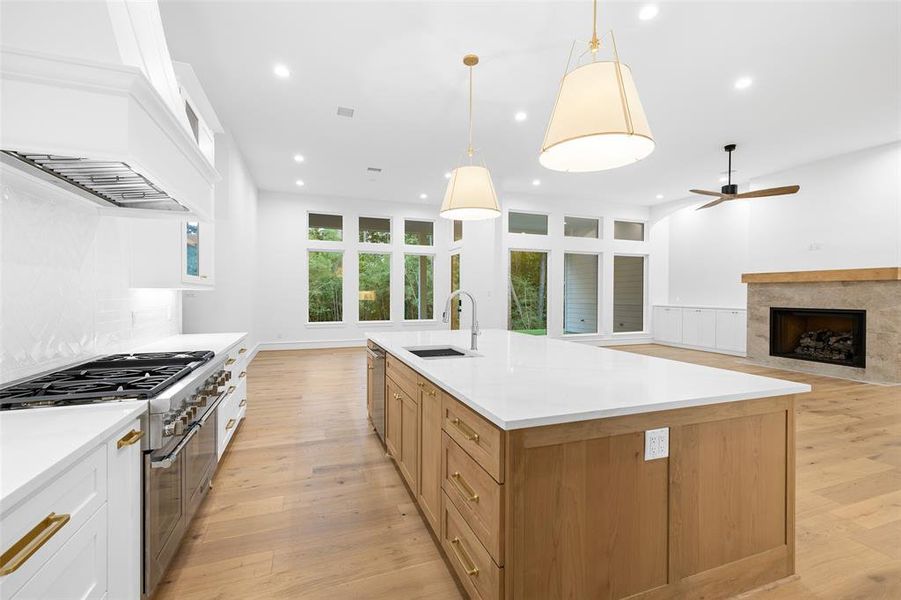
x,y
172,253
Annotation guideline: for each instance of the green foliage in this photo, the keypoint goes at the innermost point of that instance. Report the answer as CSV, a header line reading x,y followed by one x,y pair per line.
x,y
528,292
327,234
418,287
375,287
375,237
325,286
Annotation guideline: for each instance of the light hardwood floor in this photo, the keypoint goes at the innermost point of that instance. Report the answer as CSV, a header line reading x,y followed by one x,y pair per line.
x,y
306,505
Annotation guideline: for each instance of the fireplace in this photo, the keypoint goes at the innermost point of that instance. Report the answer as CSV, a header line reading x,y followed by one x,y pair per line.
x,y
831,336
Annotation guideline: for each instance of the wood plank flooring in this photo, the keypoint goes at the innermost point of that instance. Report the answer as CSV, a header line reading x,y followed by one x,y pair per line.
x,y
306,505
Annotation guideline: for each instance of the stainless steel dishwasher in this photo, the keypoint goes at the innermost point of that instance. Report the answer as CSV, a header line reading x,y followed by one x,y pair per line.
x,y
375,387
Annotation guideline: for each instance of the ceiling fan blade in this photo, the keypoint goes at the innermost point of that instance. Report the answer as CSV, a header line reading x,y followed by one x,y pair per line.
x,y
713,203
705,193
777,191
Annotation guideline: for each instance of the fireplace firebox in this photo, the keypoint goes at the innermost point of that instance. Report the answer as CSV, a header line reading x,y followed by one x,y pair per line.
x,y
834,336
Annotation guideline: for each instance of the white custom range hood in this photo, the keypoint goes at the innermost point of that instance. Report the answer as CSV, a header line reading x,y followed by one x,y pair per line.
x,y
100,127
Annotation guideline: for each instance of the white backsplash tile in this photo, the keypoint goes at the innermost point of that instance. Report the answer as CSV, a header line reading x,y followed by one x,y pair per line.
x,y
64,277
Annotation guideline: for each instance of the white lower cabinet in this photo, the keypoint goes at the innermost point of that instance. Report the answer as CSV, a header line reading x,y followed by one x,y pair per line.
x,y
702,328
234,405
86,527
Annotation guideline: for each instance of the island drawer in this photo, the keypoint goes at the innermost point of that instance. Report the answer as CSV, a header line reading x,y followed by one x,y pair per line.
x,y
482,440
476,496
52,514
480,576
405,377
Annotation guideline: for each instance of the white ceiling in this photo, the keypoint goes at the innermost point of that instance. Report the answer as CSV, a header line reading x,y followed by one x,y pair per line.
x,y
827,80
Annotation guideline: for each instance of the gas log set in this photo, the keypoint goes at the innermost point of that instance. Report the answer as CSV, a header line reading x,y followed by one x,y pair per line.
x,y
826,344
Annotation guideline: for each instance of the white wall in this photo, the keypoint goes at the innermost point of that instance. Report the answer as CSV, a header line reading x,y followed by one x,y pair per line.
x,y
281,288
64,277
847,215
230,306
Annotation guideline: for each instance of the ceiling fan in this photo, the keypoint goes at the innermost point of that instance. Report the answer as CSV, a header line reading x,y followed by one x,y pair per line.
x,y
730,190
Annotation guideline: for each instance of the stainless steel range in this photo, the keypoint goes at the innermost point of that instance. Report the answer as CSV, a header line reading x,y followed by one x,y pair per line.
x,y
183,390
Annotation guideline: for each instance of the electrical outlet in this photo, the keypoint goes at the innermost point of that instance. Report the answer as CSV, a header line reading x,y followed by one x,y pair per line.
x,y
656,443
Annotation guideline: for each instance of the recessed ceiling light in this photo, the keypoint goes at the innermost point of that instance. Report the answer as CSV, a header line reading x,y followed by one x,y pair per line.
x,y
298,158
520,116
743,83
447,175
299,182
659,196
536,182
648,12
423,196
281,71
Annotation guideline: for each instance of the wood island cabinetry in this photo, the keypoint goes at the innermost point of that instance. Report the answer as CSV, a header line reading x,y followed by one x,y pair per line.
x,y
574,510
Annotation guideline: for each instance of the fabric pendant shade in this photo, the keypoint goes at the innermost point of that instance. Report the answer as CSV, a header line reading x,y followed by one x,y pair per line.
x,y
598,122
470,195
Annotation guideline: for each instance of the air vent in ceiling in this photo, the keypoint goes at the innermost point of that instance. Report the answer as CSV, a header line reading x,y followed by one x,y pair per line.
x,y
373,169
343,111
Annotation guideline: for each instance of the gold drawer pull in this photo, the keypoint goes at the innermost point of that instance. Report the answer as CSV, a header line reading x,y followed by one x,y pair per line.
x,y
243,374
31,542
243,402
466,430
231,389
433,393
464,559
230,361
396,395
420,384
129,438
463,487
230,424
242,350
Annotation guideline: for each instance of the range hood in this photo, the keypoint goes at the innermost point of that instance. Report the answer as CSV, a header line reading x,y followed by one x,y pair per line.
x,y
94,122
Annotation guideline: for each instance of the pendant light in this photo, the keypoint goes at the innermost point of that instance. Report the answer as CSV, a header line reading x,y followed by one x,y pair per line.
x,y
470,194
598,122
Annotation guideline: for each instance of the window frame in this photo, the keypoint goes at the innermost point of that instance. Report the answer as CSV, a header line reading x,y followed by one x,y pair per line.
x,y
326,324
646,306
508,282
325,243
434,257
381,249
600,221
644,231
375,245
425,247
547,218
599,300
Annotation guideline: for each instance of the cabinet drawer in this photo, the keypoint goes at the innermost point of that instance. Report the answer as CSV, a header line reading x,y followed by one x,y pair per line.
x,y
77,570
482,440
78,493
405,377
481,577
476,495
228,415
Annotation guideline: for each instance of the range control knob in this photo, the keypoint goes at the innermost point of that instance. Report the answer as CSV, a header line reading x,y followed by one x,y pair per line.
x,y
168,429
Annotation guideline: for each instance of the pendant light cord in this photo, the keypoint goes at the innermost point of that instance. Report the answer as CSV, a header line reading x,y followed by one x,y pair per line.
x,y
469,150
595,43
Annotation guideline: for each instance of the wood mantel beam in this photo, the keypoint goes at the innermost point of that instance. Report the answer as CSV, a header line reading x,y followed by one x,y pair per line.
x,y
870,274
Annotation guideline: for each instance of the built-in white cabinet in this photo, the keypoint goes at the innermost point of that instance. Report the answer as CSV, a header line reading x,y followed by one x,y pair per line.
x,y
79,536
702,328
172,253
233,407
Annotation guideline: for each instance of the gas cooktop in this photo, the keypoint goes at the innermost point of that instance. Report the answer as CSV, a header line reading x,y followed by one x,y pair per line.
x,y
141,375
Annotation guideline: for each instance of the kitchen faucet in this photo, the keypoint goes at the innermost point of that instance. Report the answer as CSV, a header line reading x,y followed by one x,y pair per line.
x,y
475,321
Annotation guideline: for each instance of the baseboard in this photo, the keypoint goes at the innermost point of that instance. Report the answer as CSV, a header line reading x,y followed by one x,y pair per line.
x,y
701,348
311,344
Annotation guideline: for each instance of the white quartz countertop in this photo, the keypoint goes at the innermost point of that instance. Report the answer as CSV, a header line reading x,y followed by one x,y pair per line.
x,y
38,444
520,381
217,342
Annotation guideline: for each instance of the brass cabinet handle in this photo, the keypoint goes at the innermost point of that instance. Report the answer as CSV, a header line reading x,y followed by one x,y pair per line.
x,y
463,487
230,424
433,393
31,542
464,559
396,395
243,402
231,389
129,438
243,374
466,430
242,350
230,361
370,367
420,384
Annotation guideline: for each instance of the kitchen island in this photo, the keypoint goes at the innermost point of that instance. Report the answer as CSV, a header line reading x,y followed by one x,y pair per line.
x,y
529,462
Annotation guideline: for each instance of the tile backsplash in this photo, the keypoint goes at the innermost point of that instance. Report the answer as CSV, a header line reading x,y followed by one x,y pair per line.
x,y
64,281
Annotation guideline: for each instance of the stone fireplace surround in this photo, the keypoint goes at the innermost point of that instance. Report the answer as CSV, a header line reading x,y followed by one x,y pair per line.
x,y
877,291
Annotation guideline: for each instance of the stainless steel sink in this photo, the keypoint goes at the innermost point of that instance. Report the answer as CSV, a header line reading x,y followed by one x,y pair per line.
x,y
437,352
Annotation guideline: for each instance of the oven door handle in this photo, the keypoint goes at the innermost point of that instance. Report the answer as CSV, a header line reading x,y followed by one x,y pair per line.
x,y
169,459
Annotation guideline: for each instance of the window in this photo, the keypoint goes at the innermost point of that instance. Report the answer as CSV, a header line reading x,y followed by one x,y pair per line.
x,y
580,227
628,293
326,282
527,223
418,286
458,231
627,230
375,231
454,286
580,293
375,287
528,292
418,233
192,249
326,227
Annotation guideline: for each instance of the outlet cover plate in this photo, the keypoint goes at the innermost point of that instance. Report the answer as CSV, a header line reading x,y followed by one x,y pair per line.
x,y
656,443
